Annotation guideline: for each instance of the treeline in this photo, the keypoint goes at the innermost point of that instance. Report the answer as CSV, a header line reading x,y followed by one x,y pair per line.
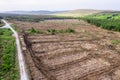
x,y
28,19
35,18
110,24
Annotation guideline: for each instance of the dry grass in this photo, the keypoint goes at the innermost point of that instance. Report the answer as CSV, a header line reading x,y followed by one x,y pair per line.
x,y
77,13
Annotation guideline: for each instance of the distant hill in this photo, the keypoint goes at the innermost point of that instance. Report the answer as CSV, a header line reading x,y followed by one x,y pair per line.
x,y
68,13
77,13
41,12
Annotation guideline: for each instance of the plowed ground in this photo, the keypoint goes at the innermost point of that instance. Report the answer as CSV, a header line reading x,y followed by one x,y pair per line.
x,y
87,54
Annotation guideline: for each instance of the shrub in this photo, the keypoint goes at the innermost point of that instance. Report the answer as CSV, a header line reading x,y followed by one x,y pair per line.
x,y
50,31
33,30
69,30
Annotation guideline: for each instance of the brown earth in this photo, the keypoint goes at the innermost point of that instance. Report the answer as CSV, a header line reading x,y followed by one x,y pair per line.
x,y
87,54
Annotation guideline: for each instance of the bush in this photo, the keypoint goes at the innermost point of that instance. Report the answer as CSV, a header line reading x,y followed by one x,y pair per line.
x,y
50,31
53,31
34,31
69,30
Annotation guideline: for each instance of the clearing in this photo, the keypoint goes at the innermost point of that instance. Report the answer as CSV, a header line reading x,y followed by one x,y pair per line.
x,y
90,53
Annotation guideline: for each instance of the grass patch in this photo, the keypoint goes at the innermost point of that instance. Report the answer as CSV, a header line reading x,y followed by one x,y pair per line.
x,y
8,63
115,42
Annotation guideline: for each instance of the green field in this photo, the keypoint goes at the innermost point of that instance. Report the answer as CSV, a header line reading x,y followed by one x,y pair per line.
x,y
110,21
8,56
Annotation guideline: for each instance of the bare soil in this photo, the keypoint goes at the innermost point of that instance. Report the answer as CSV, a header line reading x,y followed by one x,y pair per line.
x,y
87,54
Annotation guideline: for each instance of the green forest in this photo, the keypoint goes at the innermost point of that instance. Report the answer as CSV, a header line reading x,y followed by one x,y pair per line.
x,y
110,21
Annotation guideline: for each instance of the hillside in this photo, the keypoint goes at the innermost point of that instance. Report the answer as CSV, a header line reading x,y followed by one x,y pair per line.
x,y
68,13
41,12
71,13
78,13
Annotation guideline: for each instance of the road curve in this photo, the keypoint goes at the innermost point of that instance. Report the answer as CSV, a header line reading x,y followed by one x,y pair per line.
x,y
23,73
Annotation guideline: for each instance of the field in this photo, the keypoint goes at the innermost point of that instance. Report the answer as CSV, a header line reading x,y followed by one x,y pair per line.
x,y
90,53
8,61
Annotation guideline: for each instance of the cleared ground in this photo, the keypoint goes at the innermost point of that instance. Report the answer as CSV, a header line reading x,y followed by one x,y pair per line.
x,y
87,54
